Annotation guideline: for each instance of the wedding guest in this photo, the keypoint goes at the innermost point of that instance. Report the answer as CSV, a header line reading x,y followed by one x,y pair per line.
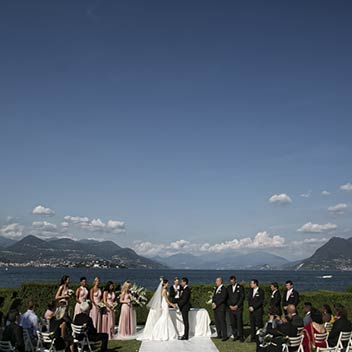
x,y
291,296
49,313
219,306
316,326
235,299
13,332
2,300
291,313
108,319
96,299
175,290
341,324
255,304
127,322
83,318
275,299
307,309
62,294
81,294
29,321
327,314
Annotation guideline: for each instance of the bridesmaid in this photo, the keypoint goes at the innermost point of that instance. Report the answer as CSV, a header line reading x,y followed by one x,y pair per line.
x,y
62,294
81,294
96,298
127,322
108,320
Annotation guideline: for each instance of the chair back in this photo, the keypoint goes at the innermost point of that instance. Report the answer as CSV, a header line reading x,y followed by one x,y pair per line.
x,y
344,339
300,330
328,327
321,337
79,329
5,346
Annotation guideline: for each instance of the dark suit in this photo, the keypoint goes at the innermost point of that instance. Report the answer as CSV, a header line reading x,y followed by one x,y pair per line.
x,y
220,299
292,299
341,324
297,321
184,303
256,317
14,333
275,302
84,319
235,297
173,293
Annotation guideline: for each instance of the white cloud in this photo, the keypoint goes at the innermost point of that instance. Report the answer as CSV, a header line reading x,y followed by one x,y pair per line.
x,y
112,226
325,193
13,230
44,226
317,228
347,187
338,208
261,240
281,199
41,210
306,195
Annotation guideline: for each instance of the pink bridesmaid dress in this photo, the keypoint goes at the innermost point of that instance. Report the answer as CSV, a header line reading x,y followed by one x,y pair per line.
x,y
108,319
83,294
95,311
127,322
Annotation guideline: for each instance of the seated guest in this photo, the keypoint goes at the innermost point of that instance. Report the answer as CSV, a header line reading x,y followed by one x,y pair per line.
x,y
316,326
307,309
49,313
296,320
83,319
29,320
279,330
341,324
327,314
60,325
2,300
13,331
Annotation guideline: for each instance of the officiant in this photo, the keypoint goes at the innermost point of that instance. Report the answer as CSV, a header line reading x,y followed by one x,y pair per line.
x,y
175,290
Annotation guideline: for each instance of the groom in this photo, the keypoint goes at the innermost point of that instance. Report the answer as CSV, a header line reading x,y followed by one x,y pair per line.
x,y
185,305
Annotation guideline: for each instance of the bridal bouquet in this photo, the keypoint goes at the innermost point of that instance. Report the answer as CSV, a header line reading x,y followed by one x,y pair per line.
x,y
138,296
70,292
210,295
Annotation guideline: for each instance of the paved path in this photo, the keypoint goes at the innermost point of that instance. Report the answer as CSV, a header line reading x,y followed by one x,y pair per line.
x,y
195,344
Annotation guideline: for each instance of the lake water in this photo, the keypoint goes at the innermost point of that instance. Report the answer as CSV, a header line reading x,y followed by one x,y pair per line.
x,y
303,280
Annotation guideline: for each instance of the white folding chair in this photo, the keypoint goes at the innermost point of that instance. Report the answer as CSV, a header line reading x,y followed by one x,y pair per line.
x,y
293,343
319,338
300,331
80,337
45,339
344,340
5,346
28,344
328,327
327,349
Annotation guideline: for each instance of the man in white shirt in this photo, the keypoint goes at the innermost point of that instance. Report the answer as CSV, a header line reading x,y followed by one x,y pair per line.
x,y
219,306
291,296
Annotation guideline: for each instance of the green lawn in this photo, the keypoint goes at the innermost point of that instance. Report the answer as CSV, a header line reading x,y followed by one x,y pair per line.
x,y
228,346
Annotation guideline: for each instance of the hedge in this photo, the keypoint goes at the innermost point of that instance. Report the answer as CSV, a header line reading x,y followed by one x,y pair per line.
x,y
43,293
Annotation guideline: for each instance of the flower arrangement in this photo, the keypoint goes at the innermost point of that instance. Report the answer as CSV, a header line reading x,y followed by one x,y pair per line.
x,y
210,295
138,296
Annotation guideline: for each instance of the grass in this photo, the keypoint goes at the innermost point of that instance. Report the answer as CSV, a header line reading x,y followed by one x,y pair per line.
x,y
228,346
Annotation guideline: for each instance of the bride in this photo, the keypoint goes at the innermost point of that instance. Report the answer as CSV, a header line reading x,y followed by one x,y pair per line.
x,y
159,326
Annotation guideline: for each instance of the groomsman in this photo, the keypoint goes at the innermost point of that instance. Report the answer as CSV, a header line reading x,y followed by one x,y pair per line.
x,y
175,290
291,296
219,306
275,299
255,304
235,298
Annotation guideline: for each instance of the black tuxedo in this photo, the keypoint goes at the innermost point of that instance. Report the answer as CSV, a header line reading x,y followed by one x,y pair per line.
x,y
292,299
256,317
235,297
220,299
341,324
173,293
275,302
184,303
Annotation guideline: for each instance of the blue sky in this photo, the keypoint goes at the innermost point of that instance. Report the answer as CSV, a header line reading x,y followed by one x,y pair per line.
x,y
177,121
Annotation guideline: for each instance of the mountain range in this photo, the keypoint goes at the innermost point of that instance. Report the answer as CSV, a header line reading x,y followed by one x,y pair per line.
x,y
67,252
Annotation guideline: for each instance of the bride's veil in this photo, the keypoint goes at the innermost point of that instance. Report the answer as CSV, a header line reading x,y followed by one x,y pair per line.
x,y
155,302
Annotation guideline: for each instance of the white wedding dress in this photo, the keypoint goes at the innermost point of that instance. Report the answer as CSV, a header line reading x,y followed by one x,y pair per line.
x,y
159,326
